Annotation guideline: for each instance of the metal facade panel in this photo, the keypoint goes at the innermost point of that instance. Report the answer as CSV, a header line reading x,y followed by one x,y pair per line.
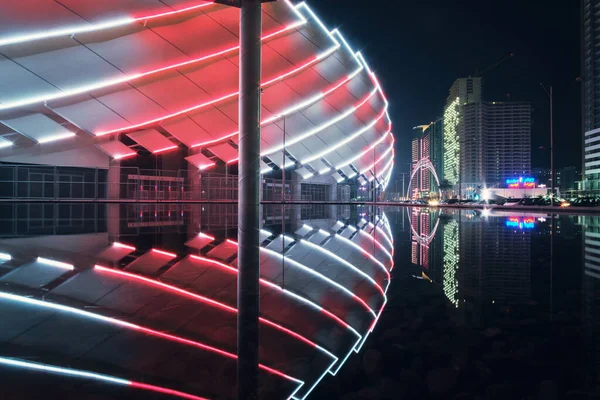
x,y
17,84
224,151
116,149
152,140
187,131
57,67
200,161
38,127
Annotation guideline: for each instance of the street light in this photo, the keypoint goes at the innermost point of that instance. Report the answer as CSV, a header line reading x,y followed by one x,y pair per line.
x,y
549,93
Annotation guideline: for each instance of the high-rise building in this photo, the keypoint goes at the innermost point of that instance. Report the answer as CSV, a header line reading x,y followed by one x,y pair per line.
x,y
427,148
484,142
591,93
566,178
464,91
507,141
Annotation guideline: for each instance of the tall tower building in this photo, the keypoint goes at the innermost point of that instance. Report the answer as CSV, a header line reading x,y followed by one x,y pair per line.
x,y
464,91
507,137
484,142
591,92
427,146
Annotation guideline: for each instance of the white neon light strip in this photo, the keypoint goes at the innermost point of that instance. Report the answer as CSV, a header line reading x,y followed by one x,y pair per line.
x,y
321,309
380,160
302,300
211,102
129,78
320,276
124,246
322,127
122,156
74,30
135,327
54,263
358,156
389,165
54,138
306,103
76,373
288,111
357,247
388,234
347,140
5,257
346,263
382,233
5,143
314,60
206,300
382,247
62,371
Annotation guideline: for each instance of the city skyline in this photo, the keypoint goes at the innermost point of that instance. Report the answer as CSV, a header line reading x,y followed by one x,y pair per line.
x,y
545,39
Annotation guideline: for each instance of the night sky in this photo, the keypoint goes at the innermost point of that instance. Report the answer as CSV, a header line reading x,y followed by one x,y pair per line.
x,y
418,48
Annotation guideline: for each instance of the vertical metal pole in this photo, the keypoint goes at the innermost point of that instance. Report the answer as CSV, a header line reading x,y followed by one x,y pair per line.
x,y
249,200
551,145
552,234
403,187
283,165
459,179
375,175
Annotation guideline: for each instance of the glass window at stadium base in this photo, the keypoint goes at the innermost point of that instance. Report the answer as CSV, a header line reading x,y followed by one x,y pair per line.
x,y
128,301
150,109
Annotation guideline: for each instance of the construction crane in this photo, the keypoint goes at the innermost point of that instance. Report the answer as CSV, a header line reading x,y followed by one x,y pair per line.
x,y
479,74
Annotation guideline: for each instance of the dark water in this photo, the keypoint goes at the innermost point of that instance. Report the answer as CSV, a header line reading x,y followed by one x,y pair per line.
x,y
138,301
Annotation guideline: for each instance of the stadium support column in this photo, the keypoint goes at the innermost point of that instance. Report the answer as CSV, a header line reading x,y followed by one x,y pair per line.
x,y
249,199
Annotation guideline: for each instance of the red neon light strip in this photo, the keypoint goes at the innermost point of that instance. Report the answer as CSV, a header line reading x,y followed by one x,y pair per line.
x,y
82,374
133,77
383,156
275,117
165,149
124,246
198,297
206,236
136,327
209,348
321,276
273,285
378,244
208,103
389,242
120,157
371,256
164,253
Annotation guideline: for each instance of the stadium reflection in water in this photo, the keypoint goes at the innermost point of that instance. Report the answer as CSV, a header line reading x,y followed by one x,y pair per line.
x,y
140,300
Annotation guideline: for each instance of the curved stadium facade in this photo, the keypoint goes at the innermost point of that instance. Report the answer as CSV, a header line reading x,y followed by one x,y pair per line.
x,y
98,91
138,99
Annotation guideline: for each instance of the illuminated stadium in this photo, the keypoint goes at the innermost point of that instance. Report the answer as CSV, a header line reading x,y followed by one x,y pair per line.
x,y
138,309
139,99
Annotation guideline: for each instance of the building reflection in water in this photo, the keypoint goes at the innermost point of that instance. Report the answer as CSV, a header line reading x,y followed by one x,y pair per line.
x,y
513,270
591,298
144,296
477,259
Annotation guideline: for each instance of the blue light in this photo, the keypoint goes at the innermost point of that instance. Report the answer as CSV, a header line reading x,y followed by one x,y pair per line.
x,y
520,223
